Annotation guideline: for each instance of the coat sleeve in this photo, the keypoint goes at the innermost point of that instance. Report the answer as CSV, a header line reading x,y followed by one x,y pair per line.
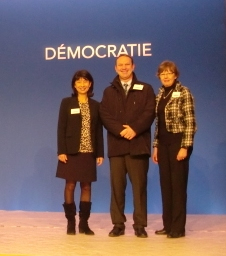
x,y
61,128
157,99
109,121
188,108
100,139
156,140
146,118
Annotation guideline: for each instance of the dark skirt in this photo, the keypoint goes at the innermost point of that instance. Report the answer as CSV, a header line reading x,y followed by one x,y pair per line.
x,y
80,167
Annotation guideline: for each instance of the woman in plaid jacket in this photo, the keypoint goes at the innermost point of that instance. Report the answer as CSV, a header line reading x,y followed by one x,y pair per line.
x,y
173,143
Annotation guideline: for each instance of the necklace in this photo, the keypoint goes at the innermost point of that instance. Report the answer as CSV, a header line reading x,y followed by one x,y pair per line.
x,y
167,94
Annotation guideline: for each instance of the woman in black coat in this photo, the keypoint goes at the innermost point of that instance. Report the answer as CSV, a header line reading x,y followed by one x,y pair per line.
x,y
80,148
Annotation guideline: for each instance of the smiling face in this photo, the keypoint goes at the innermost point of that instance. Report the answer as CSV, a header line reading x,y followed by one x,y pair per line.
x,y
167,77
124,68
167,73
82,86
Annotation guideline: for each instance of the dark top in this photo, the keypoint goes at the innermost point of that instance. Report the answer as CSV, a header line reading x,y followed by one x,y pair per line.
x,y
137,110
69,127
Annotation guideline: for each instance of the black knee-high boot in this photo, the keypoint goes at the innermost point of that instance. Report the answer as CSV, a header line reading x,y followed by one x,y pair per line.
x,y
70,212
84,214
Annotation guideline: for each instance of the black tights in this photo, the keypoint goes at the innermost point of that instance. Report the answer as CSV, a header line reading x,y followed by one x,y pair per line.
x,y
70,189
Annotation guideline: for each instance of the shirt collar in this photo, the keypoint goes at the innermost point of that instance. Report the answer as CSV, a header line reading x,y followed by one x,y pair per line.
x,y
128,82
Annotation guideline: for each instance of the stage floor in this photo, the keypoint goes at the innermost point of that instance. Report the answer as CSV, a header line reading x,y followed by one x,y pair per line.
x,y
44,233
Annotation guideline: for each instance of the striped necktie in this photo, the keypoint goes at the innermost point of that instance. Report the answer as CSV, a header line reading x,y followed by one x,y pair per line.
x,y
125,86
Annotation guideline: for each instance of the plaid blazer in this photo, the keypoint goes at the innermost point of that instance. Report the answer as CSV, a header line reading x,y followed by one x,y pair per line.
x,y
179,115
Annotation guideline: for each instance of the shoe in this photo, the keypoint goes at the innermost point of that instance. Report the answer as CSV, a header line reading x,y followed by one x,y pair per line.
x,y
71,227
117,231
161,232
140,232
85,229
84,215
70,212
175,235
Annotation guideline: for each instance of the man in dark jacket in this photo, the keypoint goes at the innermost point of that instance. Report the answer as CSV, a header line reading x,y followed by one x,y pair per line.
x,y
127,111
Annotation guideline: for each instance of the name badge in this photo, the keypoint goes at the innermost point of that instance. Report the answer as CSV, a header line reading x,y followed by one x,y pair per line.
x,y
138,87
176,95
75,111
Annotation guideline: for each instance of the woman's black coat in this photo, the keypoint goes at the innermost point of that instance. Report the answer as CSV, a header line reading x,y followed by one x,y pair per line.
x,y
69,127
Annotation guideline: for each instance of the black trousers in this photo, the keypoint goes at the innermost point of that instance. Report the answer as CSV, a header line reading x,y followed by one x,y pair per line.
x,y
137,168
173,181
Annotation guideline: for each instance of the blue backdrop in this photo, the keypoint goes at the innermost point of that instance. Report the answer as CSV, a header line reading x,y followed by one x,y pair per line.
x,y
43,42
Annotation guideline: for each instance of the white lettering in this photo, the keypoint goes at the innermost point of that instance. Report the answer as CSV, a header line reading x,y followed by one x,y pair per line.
x,y
92,52
122,50
138,50
76,52
47,51
111,49
97,51
146,49
131,48
100,51
61,51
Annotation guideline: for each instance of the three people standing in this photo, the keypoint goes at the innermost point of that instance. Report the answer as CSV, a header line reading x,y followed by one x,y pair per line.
x,y
127,111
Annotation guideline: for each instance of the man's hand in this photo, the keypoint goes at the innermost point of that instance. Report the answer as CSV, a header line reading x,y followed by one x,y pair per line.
x,y
128,133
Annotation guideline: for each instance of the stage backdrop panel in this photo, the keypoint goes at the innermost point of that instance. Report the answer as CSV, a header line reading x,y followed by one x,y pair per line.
x,y
42,43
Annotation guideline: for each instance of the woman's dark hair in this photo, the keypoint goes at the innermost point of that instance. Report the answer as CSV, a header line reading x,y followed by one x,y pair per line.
x,y
82,74
168,65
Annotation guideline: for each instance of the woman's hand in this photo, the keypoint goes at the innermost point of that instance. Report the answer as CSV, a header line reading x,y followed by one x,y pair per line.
x,y
99,160
62,158
154,155
182,154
